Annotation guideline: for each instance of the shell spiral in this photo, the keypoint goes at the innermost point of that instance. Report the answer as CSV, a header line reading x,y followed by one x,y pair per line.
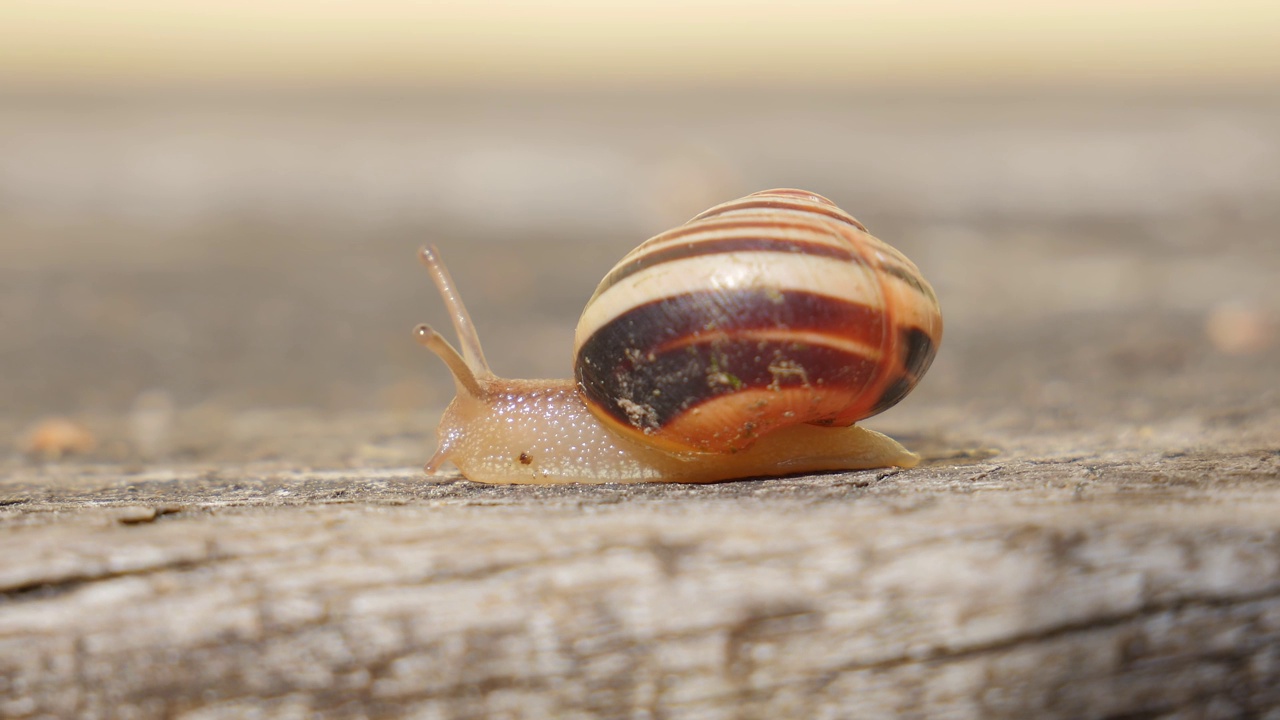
x,y
775,309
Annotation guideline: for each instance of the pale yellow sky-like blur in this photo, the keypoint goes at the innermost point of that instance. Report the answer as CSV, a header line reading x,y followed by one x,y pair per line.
x,y
344,43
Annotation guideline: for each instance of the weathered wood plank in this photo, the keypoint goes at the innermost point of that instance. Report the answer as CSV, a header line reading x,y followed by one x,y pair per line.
x,y
1010,587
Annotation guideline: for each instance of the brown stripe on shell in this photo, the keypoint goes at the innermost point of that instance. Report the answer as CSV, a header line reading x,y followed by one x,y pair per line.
x,y
658,324
748,223
794,192
747,243
839,340
910,278
767,201
769,274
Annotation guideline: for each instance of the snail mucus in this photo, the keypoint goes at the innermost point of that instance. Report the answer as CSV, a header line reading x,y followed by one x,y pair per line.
x,y
744,343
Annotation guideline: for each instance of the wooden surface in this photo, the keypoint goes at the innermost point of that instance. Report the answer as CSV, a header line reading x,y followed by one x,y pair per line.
x,y
1095,531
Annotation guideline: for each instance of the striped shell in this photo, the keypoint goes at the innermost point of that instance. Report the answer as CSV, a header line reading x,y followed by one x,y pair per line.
x,y
775,309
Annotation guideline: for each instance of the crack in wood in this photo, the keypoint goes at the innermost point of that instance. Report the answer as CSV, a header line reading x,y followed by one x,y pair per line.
x,y
1103,622
46,589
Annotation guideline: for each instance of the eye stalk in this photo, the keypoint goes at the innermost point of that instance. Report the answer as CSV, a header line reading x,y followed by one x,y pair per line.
x,y
472,353
462,373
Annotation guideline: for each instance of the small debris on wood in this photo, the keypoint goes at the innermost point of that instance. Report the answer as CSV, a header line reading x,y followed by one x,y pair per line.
x,y
56,437
1240,329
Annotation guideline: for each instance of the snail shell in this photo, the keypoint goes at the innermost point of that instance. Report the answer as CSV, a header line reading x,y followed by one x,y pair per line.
x,y
773,310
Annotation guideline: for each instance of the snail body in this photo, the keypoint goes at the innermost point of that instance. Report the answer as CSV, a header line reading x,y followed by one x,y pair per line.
x,y
743,343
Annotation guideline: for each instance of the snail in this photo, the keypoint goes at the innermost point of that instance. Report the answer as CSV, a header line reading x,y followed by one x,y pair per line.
x,y
744,343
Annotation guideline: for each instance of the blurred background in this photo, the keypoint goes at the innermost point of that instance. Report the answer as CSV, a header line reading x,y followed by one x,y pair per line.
x,y
209,210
